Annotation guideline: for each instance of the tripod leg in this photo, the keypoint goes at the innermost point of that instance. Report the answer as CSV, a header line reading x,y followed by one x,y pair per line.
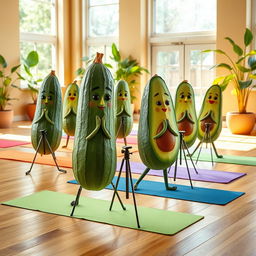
x,y
117,182
215,150
210,140
119,199
180,149
188,154
196,148
126,179
54,157
40,141
175,169
187,168
66,142
141,178
133,194
166,181
76,202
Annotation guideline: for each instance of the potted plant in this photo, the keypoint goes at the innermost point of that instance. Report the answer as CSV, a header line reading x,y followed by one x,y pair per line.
x,y
7,81
126,69
241,75
31,79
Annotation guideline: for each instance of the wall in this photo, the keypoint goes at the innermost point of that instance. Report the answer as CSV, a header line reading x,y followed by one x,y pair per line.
x,y
9,48
231,22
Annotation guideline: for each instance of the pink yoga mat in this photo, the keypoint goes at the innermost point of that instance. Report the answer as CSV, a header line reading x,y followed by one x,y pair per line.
x,y
203,174
11,143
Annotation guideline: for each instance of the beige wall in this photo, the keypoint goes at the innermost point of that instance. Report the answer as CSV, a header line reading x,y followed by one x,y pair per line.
x,y
9,48
231,22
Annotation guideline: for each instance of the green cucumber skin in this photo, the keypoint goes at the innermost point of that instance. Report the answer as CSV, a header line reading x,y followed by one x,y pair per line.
x,y
146,150
218,120
189,140
94,160
54,131
125,120
69,120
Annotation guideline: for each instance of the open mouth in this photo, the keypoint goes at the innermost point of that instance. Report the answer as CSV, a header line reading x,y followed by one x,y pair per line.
x,y
164,109
211,101
71,98
101,107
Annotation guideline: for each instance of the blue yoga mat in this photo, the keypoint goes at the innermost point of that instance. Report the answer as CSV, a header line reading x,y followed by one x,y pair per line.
x,y
197,194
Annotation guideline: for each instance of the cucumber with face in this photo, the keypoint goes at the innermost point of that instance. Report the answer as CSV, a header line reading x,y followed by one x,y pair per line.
x,y
158,135
211,114
124,119
70,109
48,115
186,112
94,153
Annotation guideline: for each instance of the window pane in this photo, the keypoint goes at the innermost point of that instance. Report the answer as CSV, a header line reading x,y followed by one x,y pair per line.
x,y
184,16
45,52
102,2
37,16
103,21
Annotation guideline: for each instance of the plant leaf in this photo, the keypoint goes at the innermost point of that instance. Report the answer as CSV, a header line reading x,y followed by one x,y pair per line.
x,y
222,65
1,73
108,65
248,37
236,48
32,59
244,84
3,61
80,71
243,69
20,76
116,53
15,68
7,81
252,76
217,51
27,70
33,89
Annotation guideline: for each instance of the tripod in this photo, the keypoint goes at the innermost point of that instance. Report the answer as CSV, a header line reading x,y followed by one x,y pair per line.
x,y
207,139
126,161
43,139
183,147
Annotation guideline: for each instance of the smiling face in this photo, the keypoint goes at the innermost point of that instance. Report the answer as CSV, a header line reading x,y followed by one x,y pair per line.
x,y
213,97
47,97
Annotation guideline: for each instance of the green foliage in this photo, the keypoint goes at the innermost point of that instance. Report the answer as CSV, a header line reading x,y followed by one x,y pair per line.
x,y
241,70
127,69
81,71
29,65
7,81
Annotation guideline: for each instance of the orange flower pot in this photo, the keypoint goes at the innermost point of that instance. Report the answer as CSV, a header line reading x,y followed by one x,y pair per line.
x,y
31,108
6,118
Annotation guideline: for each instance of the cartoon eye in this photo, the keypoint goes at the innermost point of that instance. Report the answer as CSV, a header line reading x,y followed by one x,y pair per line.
x,y
49,97
125,94
189,97
69,94
215,97
74,94
209,97
120,94
107,97
158,103
95,97
182,96
167,102
43,97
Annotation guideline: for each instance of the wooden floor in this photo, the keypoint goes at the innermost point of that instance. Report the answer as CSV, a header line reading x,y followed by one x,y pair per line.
x,y
225,230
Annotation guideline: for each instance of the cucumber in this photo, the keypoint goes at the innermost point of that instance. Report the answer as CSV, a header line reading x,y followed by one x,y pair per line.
x,y
48,115
186,112
94,153
124,119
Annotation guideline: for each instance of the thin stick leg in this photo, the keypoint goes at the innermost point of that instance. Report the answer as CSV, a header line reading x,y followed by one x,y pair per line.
x,y
196,148
166,181
119,199
175,169
126,179
141,178
187,168
117,182
188,154
76,202
40,141
66,142
133,194
54,157
215,150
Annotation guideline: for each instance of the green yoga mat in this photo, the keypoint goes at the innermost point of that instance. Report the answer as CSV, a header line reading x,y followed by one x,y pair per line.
x,y
228,159
151,219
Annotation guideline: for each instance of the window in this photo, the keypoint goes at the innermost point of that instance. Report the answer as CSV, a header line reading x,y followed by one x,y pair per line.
x,y
180,31
38,32
101,23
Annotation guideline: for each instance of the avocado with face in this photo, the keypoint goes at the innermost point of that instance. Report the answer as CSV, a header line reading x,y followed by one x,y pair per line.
x,y
124,119
211,114
186,112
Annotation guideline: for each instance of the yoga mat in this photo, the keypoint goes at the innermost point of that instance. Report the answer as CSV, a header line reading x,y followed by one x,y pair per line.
x,y
197,194
151,219
203,174
11,143
227,159
130,140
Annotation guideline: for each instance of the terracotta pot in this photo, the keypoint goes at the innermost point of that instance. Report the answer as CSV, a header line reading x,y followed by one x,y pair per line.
x,y
31,108
6,118
240,123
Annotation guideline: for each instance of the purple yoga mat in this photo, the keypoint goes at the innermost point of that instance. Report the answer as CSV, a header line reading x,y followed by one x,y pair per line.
x,y
203,174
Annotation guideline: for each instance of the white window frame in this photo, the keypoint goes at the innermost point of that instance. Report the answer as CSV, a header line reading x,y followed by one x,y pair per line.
x,y
94,41
45,38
